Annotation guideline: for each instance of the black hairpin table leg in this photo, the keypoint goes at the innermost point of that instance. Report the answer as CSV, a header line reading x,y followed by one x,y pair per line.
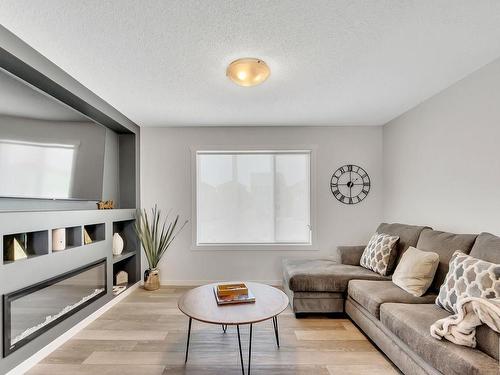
x,y
241,353
276,333
250,349
189,335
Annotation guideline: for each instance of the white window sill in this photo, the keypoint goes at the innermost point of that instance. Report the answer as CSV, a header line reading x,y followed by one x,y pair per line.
x,y
254,247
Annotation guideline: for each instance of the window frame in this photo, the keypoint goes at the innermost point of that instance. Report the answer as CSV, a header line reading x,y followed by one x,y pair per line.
x,y
312,245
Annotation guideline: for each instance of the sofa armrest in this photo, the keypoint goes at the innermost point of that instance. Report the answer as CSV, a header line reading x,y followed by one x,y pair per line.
x,y
350,255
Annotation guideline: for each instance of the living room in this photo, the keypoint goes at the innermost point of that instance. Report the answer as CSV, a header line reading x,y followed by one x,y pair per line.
x,y
329,167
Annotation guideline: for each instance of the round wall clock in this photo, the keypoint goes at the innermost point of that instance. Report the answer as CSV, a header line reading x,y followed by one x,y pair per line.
x,y
350,184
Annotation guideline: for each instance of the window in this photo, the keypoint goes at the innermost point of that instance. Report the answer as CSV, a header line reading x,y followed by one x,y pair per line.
x,y
253,197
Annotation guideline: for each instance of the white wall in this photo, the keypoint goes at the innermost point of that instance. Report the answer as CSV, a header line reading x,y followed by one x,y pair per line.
x,y
442,158
166,180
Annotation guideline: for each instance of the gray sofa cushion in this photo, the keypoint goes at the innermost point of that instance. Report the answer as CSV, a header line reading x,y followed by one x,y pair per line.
x,y
488,341
408,236
487,247
349,254
411,324
323,275
445,244
372,294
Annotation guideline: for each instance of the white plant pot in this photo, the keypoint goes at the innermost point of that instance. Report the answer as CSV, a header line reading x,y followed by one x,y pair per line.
x,y
58,239
117,244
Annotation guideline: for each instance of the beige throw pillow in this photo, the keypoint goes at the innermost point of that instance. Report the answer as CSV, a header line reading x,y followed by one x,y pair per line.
x,y
415,271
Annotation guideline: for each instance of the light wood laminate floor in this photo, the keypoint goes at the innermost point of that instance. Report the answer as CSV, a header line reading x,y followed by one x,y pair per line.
x,y
145,334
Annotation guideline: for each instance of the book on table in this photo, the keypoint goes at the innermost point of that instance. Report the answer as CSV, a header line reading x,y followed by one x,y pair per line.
x,y
226,294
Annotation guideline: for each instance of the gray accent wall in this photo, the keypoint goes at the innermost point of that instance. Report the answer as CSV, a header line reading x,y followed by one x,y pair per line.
x,y
442,158
111,178
88,138
111,173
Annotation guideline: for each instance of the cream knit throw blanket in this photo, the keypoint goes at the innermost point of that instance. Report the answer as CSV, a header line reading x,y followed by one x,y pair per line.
x,y
472,312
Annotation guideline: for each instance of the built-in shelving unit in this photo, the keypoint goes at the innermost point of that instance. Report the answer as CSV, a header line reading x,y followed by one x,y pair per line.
x,y
34,219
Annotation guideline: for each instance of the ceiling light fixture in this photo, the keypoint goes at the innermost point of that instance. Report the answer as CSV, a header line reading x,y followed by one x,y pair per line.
x,y
248,71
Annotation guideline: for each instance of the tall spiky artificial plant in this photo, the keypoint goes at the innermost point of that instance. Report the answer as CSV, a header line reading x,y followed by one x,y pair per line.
x,y
156,233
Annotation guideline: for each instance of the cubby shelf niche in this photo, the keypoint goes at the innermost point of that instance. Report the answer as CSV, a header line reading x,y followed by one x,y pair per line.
x,y
74,238
129,259
33,244
95,233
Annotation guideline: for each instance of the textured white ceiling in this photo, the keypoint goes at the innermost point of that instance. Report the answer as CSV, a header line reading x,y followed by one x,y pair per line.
x,y
352,62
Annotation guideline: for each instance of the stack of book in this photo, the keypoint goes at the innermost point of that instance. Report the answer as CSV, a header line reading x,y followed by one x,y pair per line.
x,y
226,294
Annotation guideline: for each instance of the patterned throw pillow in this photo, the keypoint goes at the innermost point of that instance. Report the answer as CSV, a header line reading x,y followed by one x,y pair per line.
x,y
377,254
468,277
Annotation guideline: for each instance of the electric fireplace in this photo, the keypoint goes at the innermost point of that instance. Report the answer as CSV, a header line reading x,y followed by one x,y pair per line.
x,y
31,311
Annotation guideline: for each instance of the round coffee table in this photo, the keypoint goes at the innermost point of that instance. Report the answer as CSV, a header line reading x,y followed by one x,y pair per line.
x,y
199,304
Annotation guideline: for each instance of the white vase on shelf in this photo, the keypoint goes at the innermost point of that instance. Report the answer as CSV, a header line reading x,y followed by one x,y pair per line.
x,y
117,244
58,239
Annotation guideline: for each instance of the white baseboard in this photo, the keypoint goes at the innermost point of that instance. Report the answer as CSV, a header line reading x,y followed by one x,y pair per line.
x,y
203,282
27,364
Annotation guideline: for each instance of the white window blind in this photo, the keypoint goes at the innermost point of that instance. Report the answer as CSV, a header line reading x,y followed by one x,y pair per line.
x,y
254,197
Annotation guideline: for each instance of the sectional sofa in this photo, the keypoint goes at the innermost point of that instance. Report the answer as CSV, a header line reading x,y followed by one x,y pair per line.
x,y
396,321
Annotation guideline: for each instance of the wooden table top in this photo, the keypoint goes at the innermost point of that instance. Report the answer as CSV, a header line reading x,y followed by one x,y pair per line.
x,y
200,304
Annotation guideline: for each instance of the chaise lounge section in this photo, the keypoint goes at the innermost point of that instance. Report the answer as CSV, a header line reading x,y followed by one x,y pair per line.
x,y
395,320
320,285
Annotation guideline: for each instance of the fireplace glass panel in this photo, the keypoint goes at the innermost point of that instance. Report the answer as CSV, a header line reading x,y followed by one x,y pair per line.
x,y
34,311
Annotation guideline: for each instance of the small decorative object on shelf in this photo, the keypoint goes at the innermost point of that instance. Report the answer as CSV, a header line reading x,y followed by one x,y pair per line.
x,y
117,244
121,278
58,239
117,289
155,236
226,294
86,237
16,248
105,205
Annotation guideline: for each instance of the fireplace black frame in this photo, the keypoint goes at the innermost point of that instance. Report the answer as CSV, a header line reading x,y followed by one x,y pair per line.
x,y
10,297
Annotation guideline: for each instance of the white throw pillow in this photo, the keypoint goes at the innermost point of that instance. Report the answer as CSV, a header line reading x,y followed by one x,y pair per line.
x,y
379,252
415,271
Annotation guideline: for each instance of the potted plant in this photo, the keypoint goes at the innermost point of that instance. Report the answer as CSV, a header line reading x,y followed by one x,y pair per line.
x,y
155,236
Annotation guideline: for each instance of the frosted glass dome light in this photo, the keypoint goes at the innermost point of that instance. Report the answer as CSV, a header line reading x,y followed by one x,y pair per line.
x,y
248,71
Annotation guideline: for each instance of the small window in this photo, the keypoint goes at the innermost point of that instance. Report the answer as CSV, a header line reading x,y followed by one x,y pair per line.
x,y
253,197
